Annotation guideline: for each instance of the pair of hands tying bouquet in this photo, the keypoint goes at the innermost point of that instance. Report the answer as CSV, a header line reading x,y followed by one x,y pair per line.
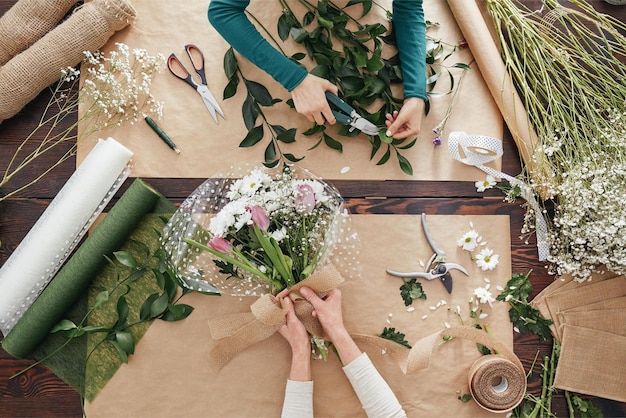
x,y
261,233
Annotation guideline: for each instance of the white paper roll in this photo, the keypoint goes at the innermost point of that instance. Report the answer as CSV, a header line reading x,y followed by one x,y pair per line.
x,y
60,228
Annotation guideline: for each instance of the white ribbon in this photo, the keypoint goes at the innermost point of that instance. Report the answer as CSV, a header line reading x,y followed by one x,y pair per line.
x,y
480,150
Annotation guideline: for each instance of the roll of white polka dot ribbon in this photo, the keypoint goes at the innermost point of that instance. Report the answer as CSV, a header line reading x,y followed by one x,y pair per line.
x,y
479,150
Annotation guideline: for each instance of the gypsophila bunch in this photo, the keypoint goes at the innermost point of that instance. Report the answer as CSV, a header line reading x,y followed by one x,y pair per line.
x,y
273,229
116,91
590,217
556,56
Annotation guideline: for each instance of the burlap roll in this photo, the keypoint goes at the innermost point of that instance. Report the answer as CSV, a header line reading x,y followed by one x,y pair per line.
x,y
27,21
89,28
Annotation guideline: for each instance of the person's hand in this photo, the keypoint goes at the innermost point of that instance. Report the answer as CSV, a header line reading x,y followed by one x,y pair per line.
x,y
298,338
293,329
407,122
310,99
328,312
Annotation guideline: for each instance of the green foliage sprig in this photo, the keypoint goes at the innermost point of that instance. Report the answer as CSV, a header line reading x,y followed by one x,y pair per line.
x,y
411,290
521,314
395,336
357,68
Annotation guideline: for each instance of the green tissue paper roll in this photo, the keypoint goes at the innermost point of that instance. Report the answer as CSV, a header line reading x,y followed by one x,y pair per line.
x,y
80,269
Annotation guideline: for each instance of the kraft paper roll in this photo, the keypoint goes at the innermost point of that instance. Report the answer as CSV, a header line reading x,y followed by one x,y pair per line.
x,y
480,40
496,384
60,228
80,269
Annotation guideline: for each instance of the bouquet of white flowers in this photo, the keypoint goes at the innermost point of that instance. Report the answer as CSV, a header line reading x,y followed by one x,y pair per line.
x,y
261,233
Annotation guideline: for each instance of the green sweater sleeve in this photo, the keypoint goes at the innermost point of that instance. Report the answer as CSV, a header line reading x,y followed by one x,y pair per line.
x,y
410,30
229,19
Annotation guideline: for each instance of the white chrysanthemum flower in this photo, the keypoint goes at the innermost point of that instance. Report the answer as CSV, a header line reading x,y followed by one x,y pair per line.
x,y
487,260
488,183
469,241
279,234
483,295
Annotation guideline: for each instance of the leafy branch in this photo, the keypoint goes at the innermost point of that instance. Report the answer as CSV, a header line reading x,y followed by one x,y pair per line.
x,y
357,67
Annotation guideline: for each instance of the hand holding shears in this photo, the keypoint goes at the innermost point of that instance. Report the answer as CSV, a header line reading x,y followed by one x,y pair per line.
x,y
437,267
197,60
347,115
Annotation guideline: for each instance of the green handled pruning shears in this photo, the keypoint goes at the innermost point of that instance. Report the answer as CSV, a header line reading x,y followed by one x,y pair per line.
x,y
346,115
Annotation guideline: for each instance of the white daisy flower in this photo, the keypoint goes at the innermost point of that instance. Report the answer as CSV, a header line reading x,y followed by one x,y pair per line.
x,y
486,259
469,241
488,183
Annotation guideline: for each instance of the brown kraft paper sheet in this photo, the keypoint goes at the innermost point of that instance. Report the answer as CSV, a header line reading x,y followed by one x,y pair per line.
x,y
206,148
170,374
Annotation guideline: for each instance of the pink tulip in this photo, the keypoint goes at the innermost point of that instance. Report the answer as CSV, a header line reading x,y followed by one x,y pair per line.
x,y
305,197
220,244
259,217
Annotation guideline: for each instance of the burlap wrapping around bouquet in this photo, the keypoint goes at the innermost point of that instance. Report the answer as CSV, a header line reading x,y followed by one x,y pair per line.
x,y
88,29
27,21
237,332
592,362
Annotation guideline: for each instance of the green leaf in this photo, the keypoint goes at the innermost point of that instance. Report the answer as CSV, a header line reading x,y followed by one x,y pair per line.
x,y
125,258
308,18
250,112
121,353
287,136
63,325
299,34
289,156
101,298
259,92
125,341
231,88
177,312
159,305
230,64
405,164
122,312
465,398
254,137
385,157
332,143
395,336
412,290
284,26
270,152
585,408
144,311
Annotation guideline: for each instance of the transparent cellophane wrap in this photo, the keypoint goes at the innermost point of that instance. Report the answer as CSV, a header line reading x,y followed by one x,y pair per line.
x,y
196,268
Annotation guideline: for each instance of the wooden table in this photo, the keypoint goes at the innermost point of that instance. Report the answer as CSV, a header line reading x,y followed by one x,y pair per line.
x,y
40,393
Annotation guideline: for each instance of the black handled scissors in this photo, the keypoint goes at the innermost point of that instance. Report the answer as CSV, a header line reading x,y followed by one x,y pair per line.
x,y
197,61
437,267
348,116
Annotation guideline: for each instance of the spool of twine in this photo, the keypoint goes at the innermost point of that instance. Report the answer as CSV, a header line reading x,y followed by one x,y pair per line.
x,y
27,21
87,29
496,384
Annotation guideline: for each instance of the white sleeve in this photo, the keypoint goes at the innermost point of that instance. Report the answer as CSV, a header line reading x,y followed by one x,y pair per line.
x,y
374,393
298,400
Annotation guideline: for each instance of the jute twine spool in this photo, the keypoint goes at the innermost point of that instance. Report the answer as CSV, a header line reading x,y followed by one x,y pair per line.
x,y
87,29
497,382
27,21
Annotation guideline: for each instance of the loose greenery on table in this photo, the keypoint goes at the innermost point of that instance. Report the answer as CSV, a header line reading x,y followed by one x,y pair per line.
x,y
356,65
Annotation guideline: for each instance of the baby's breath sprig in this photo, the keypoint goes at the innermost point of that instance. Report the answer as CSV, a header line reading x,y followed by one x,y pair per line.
x,y
115,92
